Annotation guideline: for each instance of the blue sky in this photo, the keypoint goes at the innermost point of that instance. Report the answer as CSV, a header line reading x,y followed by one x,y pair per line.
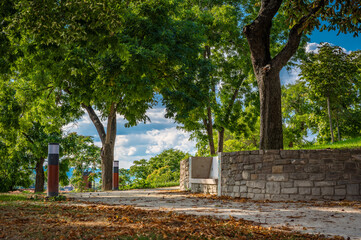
x,y
148,140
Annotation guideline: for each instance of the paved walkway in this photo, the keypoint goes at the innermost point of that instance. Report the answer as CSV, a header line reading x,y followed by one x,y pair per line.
x,y
304,217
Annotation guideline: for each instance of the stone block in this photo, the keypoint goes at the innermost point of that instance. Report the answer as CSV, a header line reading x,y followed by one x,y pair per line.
x,y
333,175
299,161
258,167
273,187
316,191
289,190
325,184
255,158
254,176
303,183
277,169
288,184
258,196
246,175
340,192
353,189
257,190
256,184
262,176
350,167
248,167
250,195
288,168
243,189
327,191
328,160
235,188
289,154
299,176
277,177
356,177
268,158
315,161
282,161
266,169
237,183
238,177
304,191
283,197
244,195
271,152
356,156
317,176
312,169
237,194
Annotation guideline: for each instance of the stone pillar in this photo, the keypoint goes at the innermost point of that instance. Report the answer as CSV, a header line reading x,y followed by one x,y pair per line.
x,y
53,169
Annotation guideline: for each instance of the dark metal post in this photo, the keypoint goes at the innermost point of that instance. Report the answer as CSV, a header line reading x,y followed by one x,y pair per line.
x,y
116,175
53,169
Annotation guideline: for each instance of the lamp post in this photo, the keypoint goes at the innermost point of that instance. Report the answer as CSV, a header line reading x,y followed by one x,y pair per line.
x,y
116,175
53,169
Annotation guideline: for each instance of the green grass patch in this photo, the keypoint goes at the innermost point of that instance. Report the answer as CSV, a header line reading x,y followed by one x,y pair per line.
x,y
354,143
5,197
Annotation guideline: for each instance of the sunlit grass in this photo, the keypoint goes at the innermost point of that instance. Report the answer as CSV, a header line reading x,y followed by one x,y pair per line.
x,y
346,144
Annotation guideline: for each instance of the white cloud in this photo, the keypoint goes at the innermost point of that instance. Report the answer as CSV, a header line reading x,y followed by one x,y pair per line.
x,y
156,115
160,140
291,76
314,47
131,151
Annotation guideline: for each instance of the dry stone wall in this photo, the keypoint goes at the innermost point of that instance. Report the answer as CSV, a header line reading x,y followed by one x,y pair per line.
x,y
292,174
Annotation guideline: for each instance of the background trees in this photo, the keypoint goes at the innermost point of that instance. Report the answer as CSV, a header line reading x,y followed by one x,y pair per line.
x,y
160,170
108,57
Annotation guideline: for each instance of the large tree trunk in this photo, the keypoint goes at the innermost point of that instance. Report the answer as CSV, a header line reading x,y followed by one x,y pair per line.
x,y
330,118
220,140
271,134
108,143
39,176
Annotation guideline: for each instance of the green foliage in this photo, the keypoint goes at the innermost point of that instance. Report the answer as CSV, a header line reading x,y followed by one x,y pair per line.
x,y
160,170
297,113
331,75
58,198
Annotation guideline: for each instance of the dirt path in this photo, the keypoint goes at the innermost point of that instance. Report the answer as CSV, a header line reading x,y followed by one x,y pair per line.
x,y
311,217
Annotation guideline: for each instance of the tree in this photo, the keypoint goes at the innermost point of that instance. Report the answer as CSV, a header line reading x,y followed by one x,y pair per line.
x,y
80,153
158,169
223,79
108,57
302,17
297,111
329,74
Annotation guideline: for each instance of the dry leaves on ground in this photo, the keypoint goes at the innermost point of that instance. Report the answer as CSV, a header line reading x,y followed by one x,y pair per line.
x,y
74,220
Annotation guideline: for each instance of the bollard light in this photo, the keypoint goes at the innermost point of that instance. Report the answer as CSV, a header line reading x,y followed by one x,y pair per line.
x,y
116,175
53,169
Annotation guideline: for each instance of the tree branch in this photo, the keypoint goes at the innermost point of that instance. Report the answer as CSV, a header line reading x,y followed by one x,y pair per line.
x,y
96,121
294,38
28,138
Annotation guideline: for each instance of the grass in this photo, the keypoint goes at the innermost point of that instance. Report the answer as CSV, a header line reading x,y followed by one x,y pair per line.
x,y
354,143
24,218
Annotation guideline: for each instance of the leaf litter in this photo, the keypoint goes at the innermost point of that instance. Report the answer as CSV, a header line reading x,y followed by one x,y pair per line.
x,y
70,219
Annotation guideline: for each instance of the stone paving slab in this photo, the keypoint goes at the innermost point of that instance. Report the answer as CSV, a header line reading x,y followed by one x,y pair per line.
x,y
306,217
